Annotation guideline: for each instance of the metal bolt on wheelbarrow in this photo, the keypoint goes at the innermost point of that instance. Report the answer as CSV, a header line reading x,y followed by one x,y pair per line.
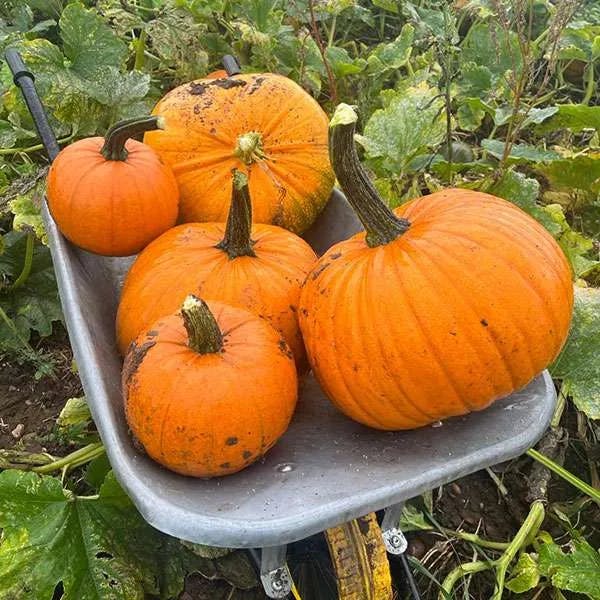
x,y
325,471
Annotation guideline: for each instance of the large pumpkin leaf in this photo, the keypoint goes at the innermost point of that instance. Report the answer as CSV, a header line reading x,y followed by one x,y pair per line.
x,y
576,571
581,173
34,306
575,117
99,548
410,122
578,365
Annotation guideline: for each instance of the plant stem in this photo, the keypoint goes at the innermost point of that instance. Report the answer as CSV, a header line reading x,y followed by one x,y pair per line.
x,y
523,537
27,262
237,241
117,135
140,48
589,85
204,335
322,50
75,459
473,538
582,486
34,148
381,224
332,31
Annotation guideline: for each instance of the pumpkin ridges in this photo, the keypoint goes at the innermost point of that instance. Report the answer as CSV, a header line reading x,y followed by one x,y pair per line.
x,y
468,302
528,283
178,427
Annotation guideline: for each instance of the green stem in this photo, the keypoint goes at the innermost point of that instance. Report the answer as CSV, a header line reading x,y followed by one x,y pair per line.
x,y
27,262
34,148
331,31
117,135
582,486
204,335
589,85
381,224
524,536
140,48
75,459
237,241
473,538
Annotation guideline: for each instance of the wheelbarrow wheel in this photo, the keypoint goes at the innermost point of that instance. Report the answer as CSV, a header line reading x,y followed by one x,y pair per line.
x,y
347,562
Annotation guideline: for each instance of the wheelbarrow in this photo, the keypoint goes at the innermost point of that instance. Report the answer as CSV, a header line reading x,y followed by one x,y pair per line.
x,y
326,470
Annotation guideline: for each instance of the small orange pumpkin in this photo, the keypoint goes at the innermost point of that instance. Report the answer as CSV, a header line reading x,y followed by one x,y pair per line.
x,y
453,301
112,195
261,121
208,391
257,267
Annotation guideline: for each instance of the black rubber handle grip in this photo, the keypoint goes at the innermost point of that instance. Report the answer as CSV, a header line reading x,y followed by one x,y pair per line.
x,y
231,65
24,79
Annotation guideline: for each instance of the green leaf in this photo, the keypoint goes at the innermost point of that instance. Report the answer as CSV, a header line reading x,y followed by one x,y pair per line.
x,y
475,80
576,571
8,135
88,42
471,113
393,55
112,88
342,63
390,5
411,121
101,549
524,192
575,245
74,412
412,519
579,172
575,117
35,305
26,209
578,364
522,152
525,575
498,51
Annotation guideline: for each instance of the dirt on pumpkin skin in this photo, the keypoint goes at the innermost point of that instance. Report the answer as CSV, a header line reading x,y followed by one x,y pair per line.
x,y
29,408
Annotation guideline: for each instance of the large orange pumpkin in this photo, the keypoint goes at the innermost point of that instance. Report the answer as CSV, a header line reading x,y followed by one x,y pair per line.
x,y
113,195
210,390
263,122
452,301
257,267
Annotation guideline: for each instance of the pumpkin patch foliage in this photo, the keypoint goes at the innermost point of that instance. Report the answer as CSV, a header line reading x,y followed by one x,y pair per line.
x,y
479,97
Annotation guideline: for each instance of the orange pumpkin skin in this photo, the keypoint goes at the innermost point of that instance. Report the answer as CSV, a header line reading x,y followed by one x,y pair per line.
x,y
111,207
185,260
208,415
467,306
441,307
289,170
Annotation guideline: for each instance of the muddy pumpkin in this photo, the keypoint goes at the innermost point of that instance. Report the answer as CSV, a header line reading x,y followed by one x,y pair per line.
x,y
439,308
209,390
263,122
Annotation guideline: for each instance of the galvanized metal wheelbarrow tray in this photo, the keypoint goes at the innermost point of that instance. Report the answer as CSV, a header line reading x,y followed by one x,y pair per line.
x,y
326,469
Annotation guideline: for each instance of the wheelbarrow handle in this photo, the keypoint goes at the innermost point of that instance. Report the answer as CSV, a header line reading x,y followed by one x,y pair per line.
x,y
231,65
24,79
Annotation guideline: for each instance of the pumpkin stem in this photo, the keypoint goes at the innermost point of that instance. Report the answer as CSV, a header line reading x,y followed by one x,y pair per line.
x,y
236,241
249,147
204,335
380,223
119,133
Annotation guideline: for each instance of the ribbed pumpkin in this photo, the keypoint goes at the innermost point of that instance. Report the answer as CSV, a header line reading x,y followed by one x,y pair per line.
x,y
453,301
264,122
257,267
113,195
210,390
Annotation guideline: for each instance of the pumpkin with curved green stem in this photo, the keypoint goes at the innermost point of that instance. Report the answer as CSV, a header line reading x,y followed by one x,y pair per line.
x,y
257,267
113,195
439,308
